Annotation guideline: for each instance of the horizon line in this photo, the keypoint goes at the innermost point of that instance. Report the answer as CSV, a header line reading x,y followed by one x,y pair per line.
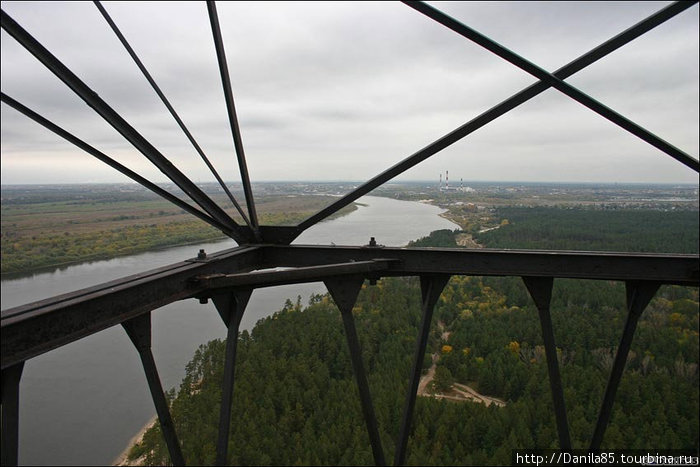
x,y
359,182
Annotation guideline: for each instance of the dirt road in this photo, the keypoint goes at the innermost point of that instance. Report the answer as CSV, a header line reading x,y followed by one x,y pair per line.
x,y
458,392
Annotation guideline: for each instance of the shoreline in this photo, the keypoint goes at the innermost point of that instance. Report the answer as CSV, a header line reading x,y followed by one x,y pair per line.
x,y
50,268
122,459
131,437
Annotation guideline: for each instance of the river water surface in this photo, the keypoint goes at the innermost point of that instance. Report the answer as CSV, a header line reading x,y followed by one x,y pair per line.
x,y
82,403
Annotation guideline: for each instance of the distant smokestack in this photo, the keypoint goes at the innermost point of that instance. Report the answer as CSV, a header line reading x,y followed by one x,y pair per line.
x,y
461,183
447,179
440,185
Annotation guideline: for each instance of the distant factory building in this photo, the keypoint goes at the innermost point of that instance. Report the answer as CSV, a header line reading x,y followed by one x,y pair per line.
x,y
446,187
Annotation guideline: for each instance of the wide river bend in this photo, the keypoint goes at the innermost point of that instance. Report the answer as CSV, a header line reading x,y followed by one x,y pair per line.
x,y
82,403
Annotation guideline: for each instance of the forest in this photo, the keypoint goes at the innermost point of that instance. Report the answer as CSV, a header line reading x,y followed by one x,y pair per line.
x,y
295,400
559,228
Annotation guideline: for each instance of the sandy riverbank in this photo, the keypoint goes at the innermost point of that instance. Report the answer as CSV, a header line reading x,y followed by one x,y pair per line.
x,y
122,459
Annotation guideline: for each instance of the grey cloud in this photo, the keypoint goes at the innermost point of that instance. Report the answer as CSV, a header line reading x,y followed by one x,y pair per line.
x,y
351,88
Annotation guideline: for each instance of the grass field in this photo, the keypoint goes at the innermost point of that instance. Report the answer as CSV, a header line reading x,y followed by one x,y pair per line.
x,y
48,228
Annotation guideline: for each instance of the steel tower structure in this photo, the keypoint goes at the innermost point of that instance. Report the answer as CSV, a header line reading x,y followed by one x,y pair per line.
x,y
228,277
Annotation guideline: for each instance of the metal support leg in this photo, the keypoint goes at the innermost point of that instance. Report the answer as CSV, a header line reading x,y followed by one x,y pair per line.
x,y
540,289
344,293
231,307
431,288
139,331
10,413
639,294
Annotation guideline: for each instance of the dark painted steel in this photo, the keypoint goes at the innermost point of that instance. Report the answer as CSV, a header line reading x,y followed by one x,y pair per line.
x,y
293,276
554,81
639,294
344,292
233,119
231,307
668,268
540,289
170,108
431,288
139,331
32,329
11,377
114,164
118,123
35,328
279,234
494,112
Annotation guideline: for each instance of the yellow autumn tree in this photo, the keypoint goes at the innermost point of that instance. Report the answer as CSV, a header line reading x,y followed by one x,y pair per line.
x,y
514,347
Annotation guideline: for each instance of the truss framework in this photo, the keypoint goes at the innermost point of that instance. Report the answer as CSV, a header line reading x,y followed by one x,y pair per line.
x,y
228,277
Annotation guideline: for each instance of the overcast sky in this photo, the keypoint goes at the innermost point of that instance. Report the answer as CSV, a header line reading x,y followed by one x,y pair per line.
x,y
342,91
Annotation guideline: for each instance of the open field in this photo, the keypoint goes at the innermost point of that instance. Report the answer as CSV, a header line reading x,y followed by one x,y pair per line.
x,y
50,227
55,225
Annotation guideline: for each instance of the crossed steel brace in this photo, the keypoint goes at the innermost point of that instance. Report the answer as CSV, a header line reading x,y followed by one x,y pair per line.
x,y
227,279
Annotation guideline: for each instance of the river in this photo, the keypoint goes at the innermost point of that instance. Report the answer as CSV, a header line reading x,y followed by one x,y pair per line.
x,y
82,403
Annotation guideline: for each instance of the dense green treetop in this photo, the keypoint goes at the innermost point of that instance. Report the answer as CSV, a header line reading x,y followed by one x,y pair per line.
x,y
296,402
558,228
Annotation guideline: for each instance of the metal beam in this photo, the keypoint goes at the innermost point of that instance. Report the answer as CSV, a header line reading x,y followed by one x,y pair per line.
x,y
344,292
11,377
233,119
139,331
293,276
115,165
170,108
431,288
118,123
556,82
540,289
231,307
32,329
279,234
35,328
639,294
494,112
669,268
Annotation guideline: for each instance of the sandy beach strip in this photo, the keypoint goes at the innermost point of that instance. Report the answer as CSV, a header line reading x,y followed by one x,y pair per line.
x,y
122,459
